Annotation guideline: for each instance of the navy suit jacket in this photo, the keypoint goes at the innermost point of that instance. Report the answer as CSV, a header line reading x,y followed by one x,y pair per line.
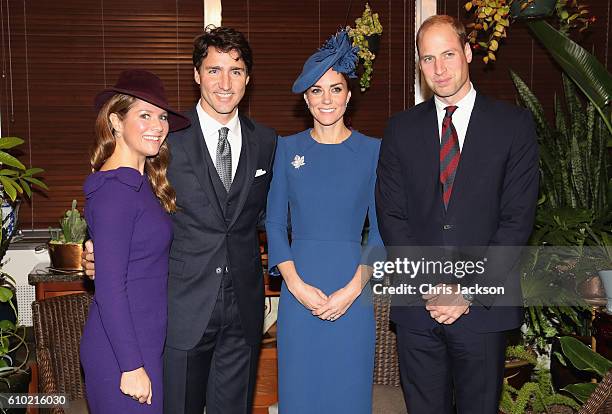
x,y
492,204
207,238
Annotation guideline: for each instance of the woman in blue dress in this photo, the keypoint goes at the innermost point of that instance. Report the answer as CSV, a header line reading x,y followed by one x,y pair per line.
x,y
325,178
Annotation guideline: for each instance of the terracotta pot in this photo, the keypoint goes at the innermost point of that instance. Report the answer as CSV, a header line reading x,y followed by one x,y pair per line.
x,y
65,256
592,288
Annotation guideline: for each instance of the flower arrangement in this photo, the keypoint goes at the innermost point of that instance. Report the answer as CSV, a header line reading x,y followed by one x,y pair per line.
x,y
367,27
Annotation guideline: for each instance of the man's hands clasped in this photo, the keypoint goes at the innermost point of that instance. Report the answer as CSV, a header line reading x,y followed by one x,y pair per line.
x,y
446,308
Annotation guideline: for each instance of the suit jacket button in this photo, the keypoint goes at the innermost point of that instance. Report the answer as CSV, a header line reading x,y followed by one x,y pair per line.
x,y
218,270
447,226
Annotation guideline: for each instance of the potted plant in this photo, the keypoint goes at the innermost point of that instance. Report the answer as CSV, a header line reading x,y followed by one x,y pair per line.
x,y
534,397
366,35
492,18
66,245
15,181
584,359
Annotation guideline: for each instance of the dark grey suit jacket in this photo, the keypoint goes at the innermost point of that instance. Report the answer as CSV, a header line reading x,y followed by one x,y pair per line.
x,y
211,233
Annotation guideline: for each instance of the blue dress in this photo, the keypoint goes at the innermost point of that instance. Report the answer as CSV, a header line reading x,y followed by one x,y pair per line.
x,y
126,326
323,366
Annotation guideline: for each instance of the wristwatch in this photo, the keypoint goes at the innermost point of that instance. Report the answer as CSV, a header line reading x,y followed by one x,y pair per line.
x,y
468,296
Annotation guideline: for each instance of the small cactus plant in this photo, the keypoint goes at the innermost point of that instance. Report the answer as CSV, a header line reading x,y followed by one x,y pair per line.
x,y
74,227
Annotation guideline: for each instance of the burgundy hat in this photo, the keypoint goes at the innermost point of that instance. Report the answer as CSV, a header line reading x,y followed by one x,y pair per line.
x,y
143,85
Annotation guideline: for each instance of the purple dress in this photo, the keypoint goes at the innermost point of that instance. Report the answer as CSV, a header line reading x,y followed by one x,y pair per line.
x,y
126,327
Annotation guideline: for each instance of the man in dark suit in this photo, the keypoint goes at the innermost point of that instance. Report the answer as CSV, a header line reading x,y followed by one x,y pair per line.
x,y
457,170
220,168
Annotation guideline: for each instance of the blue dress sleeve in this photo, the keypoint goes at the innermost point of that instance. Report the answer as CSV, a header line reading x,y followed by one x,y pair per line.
x,y
374,249
277,211
113,211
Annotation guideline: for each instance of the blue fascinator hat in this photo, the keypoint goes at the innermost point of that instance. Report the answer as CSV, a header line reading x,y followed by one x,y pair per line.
x,y
337,53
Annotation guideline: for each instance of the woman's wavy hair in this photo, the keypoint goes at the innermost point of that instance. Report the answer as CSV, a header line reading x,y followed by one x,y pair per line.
x,y
104,146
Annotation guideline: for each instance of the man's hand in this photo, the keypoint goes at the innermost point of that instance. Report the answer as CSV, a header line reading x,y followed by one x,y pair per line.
x,y
447,308
87,260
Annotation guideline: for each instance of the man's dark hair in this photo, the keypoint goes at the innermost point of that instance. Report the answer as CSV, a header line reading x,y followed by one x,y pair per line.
x,y
224,39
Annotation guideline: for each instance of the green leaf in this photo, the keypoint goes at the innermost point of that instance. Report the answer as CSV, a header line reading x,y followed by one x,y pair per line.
x,y
9,186
5,294
588,73
10,142
8,172
34,171
26,187
8,159
36,182
7,325
581,392
583,357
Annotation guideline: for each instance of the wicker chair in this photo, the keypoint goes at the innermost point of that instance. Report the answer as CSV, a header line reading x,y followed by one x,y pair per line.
x,y
58,325
388,397
600,402
386,365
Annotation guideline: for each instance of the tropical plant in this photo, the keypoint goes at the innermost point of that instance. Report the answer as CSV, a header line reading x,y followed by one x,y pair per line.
x,y
575,186
573,210
15,181
581,66
366,27
552,305
73,228
520,352
584,359
536,396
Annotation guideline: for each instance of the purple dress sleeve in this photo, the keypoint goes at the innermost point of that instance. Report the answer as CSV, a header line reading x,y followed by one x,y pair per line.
x,y
112,209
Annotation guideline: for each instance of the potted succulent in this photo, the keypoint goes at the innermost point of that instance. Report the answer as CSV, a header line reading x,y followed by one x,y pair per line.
x,y
366,35
66,245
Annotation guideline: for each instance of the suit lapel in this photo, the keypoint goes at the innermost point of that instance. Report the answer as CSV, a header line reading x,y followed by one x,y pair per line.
x,y
251,150
431,145
196,150
475,139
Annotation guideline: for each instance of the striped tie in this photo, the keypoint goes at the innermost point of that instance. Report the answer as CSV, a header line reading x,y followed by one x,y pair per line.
x,y
224,159
449,155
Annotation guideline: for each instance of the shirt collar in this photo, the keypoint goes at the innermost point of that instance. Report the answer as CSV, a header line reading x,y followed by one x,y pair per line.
x,y
211,126
467,102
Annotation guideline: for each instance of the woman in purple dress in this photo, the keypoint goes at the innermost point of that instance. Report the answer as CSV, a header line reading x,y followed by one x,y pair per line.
x,y
128,201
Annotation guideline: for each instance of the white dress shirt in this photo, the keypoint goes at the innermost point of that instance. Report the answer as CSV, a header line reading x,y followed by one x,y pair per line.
x,y
210,129
461,116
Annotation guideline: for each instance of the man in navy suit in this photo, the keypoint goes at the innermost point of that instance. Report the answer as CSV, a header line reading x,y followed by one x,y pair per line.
x,y
457,170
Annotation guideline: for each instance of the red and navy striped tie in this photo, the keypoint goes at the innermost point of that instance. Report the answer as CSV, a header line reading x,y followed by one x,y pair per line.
x,y
449,154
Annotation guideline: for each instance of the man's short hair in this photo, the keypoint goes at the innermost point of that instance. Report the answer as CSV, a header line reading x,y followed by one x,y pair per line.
x,y
441,19
224,39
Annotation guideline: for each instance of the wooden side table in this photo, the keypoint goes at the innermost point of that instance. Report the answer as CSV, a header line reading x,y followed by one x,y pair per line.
x,y
49,283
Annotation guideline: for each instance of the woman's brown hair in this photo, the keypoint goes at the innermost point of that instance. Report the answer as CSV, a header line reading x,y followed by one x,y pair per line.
x,y
104,146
